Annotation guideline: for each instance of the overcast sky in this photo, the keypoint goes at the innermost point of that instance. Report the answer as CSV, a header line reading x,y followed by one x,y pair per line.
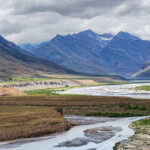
x,y
34,21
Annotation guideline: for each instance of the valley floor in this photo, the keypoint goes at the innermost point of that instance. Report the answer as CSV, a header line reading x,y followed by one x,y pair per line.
x,y
28,116
39,112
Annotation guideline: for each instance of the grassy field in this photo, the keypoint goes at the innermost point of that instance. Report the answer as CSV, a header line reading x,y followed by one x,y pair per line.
x,y
44,92
143,88
85,105
27,121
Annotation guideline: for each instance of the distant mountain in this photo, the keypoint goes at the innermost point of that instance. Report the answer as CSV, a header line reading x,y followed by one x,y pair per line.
x,y
89,52
15,61
27,47
125,54
30,47
79,52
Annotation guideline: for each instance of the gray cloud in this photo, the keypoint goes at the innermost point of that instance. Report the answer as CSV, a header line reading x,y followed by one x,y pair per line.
x,y
38,20
73,8
82,8
134,8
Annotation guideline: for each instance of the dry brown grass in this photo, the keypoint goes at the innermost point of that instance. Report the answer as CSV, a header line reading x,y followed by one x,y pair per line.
x,y
27,116
27,121
83,105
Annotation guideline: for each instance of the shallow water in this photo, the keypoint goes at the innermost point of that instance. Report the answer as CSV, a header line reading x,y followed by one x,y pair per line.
x,y
126,90
119,128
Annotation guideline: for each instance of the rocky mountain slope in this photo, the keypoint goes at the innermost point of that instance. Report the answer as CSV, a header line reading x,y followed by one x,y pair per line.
x,y
15,61
143,73
123,54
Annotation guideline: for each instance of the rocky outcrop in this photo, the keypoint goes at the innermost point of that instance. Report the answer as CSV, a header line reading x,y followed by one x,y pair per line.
x,y
49,84
36,83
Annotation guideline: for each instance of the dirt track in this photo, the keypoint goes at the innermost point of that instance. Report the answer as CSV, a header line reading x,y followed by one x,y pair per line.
x,y
9,91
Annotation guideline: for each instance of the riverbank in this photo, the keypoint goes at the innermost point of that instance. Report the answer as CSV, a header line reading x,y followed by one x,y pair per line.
x,y
141,139
26,121
93,133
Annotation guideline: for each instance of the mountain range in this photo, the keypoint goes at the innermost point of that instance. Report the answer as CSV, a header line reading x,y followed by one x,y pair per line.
x,y
122,54
16,61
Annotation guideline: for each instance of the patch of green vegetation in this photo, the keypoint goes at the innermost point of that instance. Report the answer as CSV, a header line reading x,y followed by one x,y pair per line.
x,y
42,92
133,107
113,114
144,122
48,91
116,83
116,146
143,88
